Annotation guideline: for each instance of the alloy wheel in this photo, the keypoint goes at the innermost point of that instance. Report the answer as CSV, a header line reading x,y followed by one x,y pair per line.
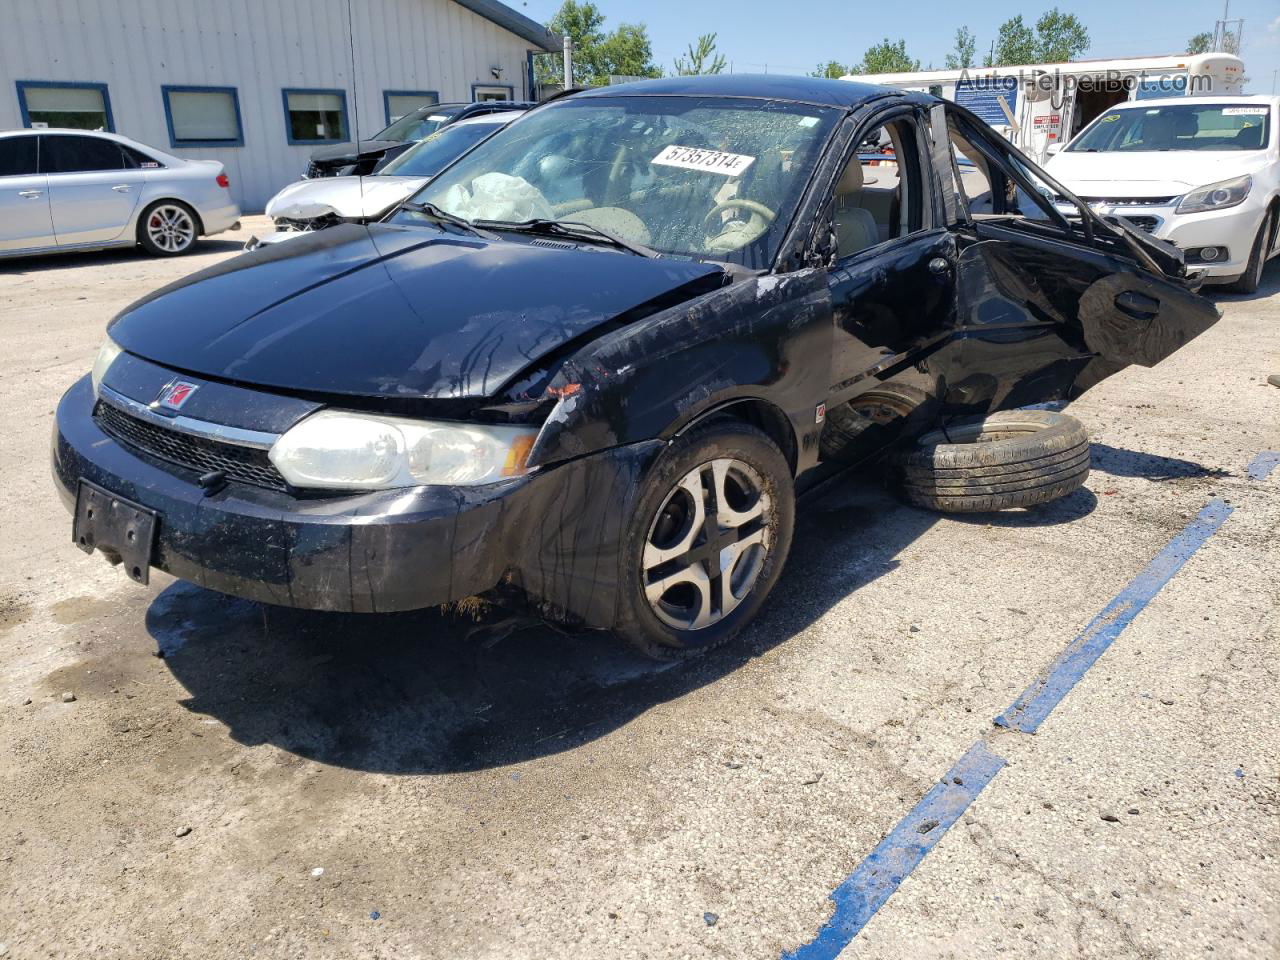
x,y
707,544
171,228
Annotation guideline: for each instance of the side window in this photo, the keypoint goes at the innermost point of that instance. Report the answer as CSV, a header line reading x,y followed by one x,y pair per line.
x,y
81,106
992,181
136,158
59,154
17,156
315,116
878,195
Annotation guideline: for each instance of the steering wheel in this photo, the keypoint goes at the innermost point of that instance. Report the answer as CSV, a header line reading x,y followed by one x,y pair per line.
x,y
734,204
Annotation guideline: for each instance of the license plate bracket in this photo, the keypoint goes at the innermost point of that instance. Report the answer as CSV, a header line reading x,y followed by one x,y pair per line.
x,y
123,530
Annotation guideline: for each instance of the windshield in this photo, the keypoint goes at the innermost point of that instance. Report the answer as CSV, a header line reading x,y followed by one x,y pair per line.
x,y
1209,126
417,125
443,147
685,176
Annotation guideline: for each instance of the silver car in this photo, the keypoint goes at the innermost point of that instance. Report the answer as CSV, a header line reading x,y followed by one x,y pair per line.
x,y
64,190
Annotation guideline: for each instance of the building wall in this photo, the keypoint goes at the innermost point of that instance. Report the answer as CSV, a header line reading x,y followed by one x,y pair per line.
x,y
258,47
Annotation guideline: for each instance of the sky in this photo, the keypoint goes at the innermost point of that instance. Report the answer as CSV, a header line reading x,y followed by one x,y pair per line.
x,y
792,37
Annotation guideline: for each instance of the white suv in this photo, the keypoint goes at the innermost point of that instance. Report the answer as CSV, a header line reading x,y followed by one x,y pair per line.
x,y
78,190
1201,172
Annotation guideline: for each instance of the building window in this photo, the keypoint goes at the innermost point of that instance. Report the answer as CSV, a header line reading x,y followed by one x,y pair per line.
x,y
495,91
203,116
399,103
81,106
315,116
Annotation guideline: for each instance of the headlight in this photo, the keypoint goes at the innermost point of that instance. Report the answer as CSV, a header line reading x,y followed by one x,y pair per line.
x,y
1216,196
340,450
107,354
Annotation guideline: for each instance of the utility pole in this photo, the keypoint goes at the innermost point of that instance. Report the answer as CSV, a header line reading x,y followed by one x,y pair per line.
x,y
568,61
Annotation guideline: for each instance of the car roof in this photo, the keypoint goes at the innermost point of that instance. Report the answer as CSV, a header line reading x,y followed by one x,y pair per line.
x,y
766,86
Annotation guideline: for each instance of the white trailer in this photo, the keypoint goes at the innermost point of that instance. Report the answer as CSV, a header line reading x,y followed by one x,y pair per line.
x,y
1041,104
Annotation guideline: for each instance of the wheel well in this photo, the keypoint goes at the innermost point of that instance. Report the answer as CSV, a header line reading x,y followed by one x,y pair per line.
x,y
1274,210
762,415
194,212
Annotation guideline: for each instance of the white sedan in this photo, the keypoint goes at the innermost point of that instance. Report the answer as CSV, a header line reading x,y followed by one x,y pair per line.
x,y
315,204
1201,172
63,190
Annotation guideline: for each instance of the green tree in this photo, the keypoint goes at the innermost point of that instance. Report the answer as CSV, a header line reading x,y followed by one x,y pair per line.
x,y
832,70
625,51
1060,37
962,57
701,58
1015,44
886,57
1057,38
1200,43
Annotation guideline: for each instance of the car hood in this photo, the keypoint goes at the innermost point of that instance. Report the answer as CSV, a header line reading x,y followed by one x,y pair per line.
x,y
348,152
1166,173
387,311
347,197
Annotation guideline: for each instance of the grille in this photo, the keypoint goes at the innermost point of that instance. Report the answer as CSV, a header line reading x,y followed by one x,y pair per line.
x,y
245,464
1145,223
1125,201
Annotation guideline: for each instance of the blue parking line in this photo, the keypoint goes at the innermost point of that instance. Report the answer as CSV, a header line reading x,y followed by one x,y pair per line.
x,y
1046,691
878,876
1261,466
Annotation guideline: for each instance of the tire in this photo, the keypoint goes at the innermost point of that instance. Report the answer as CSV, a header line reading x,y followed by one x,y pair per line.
x,y
724,461
168,228
1249,280
1017,458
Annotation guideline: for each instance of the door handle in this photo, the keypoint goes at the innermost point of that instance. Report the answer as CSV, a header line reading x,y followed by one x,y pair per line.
x,y
1137,305
939,266
121,188
30,194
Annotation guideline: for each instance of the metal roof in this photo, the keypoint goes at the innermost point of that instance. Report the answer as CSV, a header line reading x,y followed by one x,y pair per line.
x,y
515,22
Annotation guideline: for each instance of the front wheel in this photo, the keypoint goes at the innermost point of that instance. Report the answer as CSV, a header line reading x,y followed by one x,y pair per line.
x,y
168,229
1249,280
707,541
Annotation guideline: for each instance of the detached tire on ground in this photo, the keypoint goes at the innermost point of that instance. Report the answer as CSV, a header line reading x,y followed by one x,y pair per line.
x,y
1017,458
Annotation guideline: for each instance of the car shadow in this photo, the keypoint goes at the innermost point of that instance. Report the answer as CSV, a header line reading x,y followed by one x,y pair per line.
x,y
435,692
42,263
1131,463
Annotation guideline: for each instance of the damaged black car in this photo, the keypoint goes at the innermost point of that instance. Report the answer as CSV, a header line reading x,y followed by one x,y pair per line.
x,y
593,362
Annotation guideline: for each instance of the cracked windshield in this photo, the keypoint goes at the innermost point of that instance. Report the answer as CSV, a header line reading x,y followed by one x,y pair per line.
x,y
690,177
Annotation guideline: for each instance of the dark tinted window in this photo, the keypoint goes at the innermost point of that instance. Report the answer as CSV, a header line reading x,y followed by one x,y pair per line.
x,y
79,155
136,158
17,156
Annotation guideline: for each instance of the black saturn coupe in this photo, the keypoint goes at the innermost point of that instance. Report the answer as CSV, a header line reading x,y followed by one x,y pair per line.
x,y
595,359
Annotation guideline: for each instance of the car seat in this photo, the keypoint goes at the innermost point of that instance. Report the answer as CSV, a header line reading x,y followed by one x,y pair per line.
x,y
855,227
1249,138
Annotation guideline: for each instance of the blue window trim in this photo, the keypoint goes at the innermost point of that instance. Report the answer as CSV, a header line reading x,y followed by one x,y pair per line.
x,y
25,85
388,94
237,141
288,127
511,90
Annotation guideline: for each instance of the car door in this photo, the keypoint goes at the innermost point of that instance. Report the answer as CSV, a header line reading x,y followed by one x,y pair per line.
x,y
892,286
25,221
1046,306
93,187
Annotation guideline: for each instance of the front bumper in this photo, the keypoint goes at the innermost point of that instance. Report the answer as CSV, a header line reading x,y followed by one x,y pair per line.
x,y
370,552
1233,229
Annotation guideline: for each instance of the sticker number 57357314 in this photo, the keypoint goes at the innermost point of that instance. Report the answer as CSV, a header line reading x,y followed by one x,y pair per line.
x,y
711,161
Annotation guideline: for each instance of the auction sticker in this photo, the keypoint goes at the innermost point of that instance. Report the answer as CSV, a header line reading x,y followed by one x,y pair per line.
x,y
710,161
1245,111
